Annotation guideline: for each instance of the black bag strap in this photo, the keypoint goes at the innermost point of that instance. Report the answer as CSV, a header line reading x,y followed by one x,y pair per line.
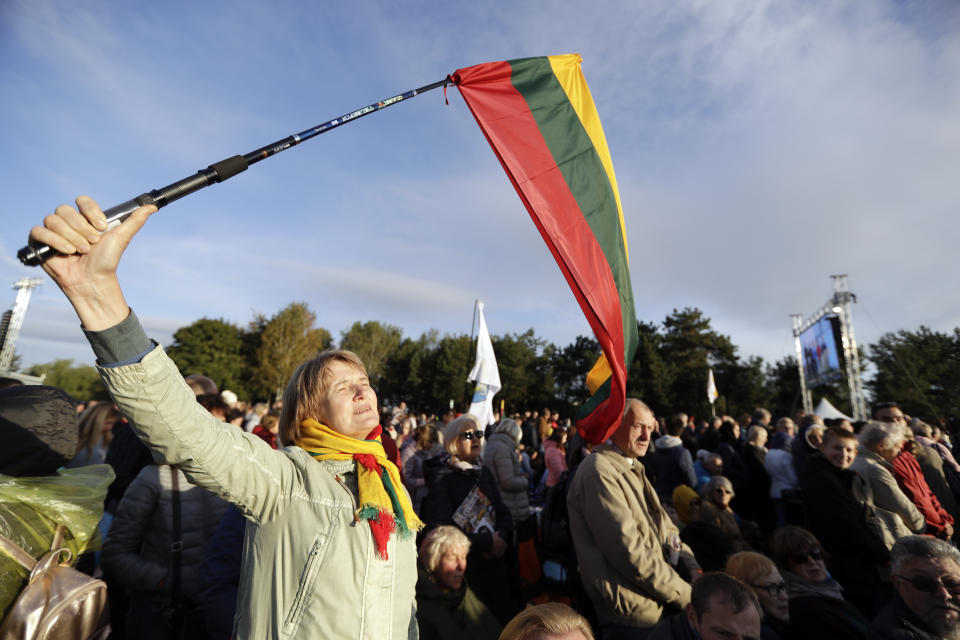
x,y
176,553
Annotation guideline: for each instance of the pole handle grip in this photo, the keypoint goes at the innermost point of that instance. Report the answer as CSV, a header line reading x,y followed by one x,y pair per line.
x,y
35,254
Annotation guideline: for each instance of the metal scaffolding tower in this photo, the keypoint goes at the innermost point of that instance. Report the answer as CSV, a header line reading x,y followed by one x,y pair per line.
x,y
25,289
838,305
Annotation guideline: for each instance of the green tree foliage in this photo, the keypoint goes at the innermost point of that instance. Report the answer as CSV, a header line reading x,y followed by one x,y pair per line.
x,y
81,381
445,373
214,348
569,366
651,377
692,347
918,369
524,376
288,339
406,370
374,343
783,386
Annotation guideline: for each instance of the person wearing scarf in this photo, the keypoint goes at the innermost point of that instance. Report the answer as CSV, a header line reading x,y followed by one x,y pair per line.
x,y
307,571
817,606
383,503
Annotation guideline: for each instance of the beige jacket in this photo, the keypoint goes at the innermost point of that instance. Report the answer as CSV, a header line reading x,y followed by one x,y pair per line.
x,y
896,513
309,570
620,533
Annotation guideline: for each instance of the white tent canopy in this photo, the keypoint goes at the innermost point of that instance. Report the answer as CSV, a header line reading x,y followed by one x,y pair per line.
x,y
827,410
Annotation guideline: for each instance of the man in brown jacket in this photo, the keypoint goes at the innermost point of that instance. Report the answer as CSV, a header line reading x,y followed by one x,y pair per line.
x,y
627,548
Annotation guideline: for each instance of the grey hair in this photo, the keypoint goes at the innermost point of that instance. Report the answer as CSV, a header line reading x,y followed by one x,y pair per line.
x,y
875,433
713,483
452,431
510,427
909,547
760,414
636,404
438,542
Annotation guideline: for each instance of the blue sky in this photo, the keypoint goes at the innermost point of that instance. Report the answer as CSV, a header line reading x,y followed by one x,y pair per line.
x,y
759,148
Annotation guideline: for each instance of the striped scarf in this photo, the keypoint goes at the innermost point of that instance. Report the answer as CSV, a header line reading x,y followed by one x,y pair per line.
x,y
383,502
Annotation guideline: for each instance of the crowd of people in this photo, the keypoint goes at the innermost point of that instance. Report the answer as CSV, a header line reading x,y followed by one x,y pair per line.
x,y
326,515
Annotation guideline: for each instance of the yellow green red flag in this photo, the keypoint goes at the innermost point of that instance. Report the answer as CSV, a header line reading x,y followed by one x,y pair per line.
x,y
539,117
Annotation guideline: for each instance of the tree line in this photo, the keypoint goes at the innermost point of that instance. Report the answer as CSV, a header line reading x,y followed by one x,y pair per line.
x,y
920,369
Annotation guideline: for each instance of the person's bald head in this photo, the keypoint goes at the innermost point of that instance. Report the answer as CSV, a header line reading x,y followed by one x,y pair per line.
x,y
633,435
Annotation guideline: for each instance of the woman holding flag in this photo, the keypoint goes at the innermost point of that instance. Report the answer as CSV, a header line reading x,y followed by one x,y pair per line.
x,y
329,546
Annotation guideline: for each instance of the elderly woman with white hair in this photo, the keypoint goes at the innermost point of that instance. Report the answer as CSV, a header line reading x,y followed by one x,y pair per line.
x,y
880,442
715,510
502,458
446,606
464,493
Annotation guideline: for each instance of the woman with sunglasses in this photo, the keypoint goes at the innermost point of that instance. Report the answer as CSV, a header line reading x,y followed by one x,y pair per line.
x,y
715,509
761,575
464,493
817,606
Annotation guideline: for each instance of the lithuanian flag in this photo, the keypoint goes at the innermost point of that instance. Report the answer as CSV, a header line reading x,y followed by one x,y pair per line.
x,y
539,117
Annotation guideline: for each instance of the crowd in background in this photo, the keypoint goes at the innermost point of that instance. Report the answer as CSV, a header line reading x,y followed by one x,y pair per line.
x,y
812,520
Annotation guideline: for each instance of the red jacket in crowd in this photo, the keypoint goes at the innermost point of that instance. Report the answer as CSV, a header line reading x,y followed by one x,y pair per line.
x,y
909,476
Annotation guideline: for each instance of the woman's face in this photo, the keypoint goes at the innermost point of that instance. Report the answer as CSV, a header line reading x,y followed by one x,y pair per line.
x,y
808,564
449,572
722,496
469,443
348,405
772,592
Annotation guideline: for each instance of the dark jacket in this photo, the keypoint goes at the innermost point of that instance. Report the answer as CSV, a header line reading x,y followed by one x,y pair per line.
x,y
897,622
489,577
840,513
128,456
444,614
813,617
220,582
670,466
449,487
674,627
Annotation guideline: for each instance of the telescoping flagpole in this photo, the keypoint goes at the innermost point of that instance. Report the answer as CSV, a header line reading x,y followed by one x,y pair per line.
x,y
35,254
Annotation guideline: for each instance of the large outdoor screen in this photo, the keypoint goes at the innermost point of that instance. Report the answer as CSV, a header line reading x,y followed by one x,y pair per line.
x,y
822,353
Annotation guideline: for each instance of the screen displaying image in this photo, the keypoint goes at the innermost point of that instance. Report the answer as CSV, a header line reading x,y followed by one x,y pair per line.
x,y
822,355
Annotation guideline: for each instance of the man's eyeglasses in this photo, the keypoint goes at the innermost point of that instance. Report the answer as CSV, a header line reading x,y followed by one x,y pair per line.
x,y
773,588
722,490
800,557
929,585
470,435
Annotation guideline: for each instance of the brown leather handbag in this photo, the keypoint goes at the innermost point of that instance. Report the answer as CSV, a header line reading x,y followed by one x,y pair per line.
x,y
59,602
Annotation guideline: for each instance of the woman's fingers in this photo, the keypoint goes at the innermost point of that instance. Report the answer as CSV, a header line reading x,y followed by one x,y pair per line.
x,y
92,212
44,235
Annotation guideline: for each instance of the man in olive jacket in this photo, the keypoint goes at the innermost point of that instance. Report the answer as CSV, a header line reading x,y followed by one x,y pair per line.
x,y
627,548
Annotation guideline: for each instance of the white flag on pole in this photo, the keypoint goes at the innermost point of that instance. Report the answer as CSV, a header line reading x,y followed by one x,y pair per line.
x,y
485,374
712,394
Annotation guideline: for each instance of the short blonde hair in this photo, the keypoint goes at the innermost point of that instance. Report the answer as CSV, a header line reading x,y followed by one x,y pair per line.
x,y
301,399
552,617
452,431
749,566
438,542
